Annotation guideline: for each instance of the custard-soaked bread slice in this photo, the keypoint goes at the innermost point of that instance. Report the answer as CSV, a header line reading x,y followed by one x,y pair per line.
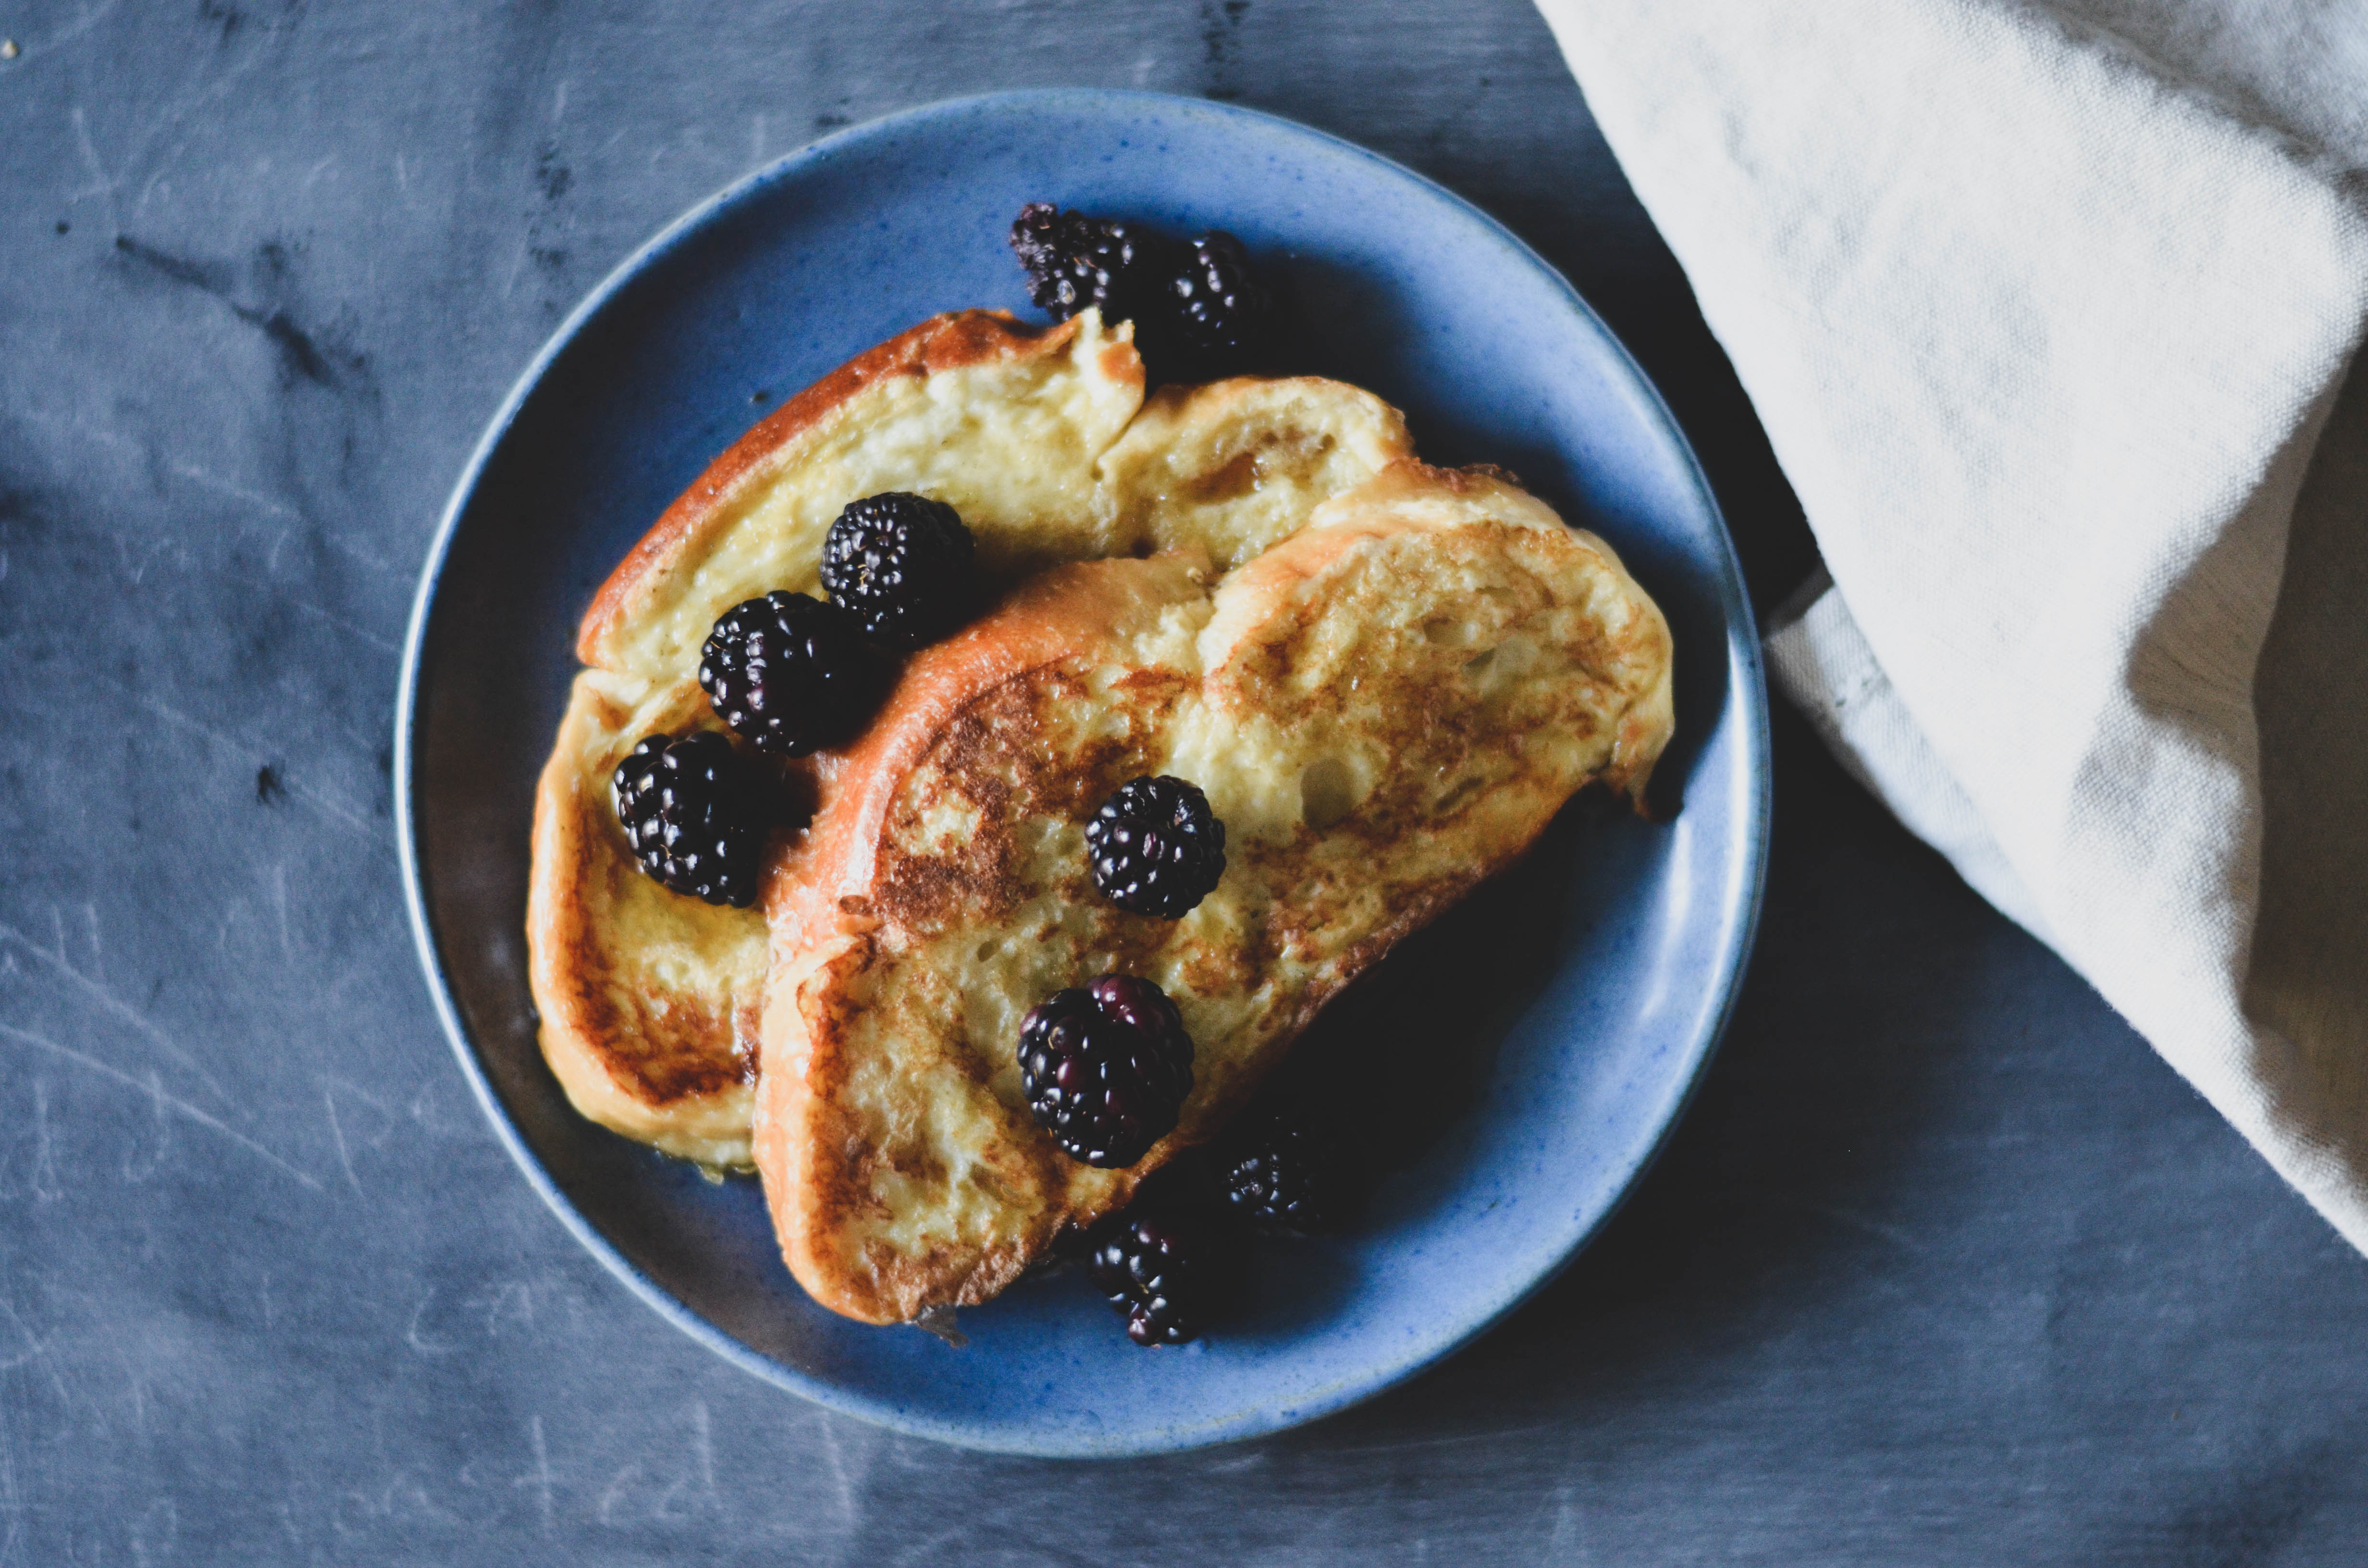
x,y
648,999
1383,709
1003,422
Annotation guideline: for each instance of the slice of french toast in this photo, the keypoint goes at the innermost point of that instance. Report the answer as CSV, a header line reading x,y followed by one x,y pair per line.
x,y
1044,441
1383,707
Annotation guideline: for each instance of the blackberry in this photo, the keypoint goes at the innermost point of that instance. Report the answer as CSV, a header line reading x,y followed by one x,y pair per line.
x,y
694,811
1227,320
1155,846
1159,1270
1105,1068
790,673
1074,260
1285,1169
902,564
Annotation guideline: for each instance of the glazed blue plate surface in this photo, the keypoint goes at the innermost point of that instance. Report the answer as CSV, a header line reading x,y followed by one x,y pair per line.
x,y
1540,1042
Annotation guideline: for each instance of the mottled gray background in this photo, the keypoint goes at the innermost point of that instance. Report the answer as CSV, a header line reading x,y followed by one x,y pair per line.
x,y
1943,1266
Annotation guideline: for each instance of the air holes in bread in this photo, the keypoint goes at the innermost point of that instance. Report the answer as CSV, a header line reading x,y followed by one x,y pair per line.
x,y
1230,483
1294,456
1506,663
1325,792
1453,801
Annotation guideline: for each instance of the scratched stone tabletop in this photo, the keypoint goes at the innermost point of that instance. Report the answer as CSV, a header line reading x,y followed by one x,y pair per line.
x,y
1943,1266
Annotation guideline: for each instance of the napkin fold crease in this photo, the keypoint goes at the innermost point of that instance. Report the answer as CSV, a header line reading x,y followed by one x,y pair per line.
x,y
2047,310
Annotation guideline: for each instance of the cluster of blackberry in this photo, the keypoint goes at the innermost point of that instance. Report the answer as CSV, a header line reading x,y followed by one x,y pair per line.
x,y
1172,1262
791,673
1201,308
1105,1069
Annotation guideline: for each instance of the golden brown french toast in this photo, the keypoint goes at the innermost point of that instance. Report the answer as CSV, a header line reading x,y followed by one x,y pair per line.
x,y
1383,707
649,1000
1044,441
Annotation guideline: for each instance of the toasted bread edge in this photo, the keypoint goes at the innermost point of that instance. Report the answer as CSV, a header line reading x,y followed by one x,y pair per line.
x,y
821,934
942,342
704,1119
812,1159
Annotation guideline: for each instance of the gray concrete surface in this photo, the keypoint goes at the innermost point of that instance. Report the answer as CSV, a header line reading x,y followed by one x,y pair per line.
x,y
1944,1266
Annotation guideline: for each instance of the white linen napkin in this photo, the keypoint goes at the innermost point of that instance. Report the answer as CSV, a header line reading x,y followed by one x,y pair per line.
x,y
2047,307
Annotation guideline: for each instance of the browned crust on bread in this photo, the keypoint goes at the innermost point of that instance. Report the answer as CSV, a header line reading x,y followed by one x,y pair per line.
x,y
1067,611
816,1161
571,965
651,1053
1645,728
966,737
879,870
674,1064
654,1073
942,342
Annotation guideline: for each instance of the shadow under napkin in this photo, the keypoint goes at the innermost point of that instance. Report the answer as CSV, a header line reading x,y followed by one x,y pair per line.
x,y
2309,978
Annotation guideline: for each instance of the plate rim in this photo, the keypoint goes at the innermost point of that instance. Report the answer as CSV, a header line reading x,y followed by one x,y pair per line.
x,y
1751,690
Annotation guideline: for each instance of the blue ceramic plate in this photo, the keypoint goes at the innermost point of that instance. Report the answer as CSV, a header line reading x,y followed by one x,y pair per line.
x,y
1538,1043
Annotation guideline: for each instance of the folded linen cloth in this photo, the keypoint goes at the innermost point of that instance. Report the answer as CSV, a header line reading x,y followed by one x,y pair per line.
x,y
2047,310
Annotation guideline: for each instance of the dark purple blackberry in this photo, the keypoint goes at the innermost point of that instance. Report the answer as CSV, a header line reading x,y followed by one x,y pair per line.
x,y
1226,320
790,673
1158,1269
903,565
1074,260
1105,1068
1285,1168
694,811
1157,848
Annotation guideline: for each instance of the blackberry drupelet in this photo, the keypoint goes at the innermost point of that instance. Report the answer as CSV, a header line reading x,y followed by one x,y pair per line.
x,y
694,812
790,673
1159,1270
1285,1169
1105,1068
1155,846
1074,260
1227,320
902,564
